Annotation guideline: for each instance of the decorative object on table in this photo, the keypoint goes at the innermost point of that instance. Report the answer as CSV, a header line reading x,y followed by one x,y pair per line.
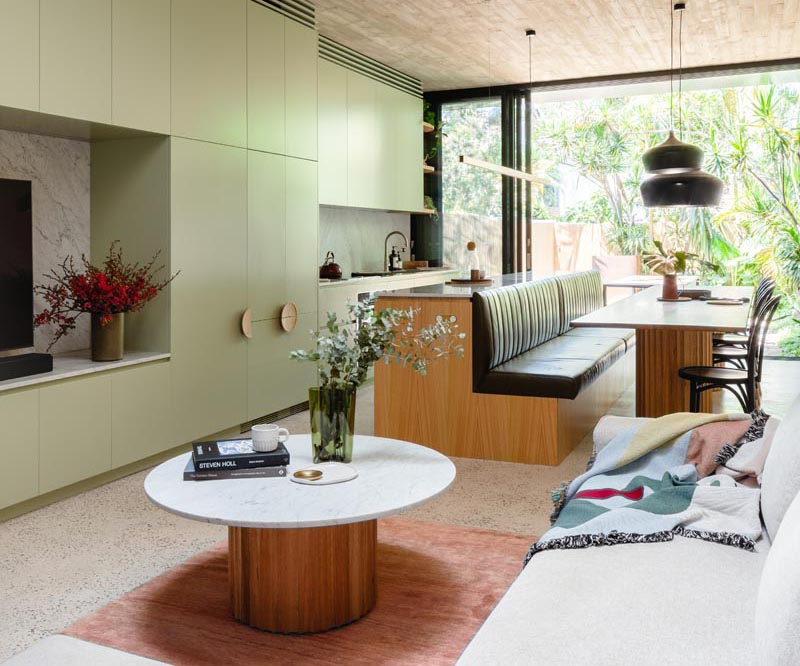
x,y
236,454
669,263
675,169
344,353
325,474
466,282
726,301
106,292
696,294
191,474
268,436
330,270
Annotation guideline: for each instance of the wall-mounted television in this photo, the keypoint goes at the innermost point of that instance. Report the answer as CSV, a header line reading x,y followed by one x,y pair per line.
x,y
16,265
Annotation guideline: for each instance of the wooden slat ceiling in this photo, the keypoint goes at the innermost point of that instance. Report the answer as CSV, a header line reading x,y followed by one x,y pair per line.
x,y
473,43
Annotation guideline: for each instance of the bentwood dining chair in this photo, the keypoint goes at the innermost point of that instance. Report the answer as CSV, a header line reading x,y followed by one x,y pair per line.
x,y
742,383
764,291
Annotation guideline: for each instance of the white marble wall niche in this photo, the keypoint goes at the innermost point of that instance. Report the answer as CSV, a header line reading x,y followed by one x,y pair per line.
x,y
59,171
357,236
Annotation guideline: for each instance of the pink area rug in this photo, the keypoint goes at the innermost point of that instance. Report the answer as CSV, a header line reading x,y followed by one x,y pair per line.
x,y
436,585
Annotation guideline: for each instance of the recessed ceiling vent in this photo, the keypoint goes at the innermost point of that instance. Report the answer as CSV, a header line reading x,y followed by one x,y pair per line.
x,y
298,10
358,62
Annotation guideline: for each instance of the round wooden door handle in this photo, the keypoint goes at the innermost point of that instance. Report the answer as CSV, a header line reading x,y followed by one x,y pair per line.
x,y
247,323
289,317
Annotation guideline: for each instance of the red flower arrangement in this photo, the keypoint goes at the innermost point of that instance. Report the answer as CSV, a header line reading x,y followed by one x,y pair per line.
x,y
111,289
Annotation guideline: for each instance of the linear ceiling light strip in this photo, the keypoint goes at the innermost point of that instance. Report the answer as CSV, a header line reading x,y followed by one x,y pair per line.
x,y
297,10
357,62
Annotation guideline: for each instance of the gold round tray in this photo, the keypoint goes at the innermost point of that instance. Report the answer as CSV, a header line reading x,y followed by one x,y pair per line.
x,y
309,474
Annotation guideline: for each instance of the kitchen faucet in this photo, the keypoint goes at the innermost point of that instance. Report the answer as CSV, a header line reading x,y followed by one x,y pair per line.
x,y
386,266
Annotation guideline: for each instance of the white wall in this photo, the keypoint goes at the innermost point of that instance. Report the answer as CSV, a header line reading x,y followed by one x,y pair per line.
x,y
59,173
356,236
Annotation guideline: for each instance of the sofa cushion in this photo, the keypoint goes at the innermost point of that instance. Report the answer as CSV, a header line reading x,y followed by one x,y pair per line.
x,y
780,481
627,335
778,605
580,294
559,368
680,602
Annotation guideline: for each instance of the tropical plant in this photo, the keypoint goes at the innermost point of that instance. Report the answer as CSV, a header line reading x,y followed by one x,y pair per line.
x,y
345,351
672,262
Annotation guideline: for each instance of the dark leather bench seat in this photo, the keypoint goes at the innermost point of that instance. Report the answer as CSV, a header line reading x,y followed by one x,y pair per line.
x,y
559,368
523,344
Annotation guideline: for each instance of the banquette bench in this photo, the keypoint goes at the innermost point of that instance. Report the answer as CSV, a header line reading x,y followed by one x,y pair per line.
x,y
529,387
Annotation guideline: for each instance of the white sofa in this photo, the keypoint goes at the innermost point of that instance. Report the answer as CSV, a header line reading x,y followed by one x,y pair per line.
x,y
681,602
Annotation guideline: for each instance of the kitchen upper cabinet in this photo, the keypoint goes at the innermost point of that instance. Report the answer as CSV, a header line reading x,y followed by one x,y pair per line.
x,y
141,64
275,381
406,149
74,431
75,59
209,70
266,79
266,234
363,142
333,163
141,414
209,248
19,54
302,235
301,90
19,446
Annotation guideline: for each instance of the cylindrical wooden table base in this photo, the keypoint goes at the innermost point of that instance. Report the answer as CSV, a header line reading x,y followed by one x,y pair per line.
x,y
302,580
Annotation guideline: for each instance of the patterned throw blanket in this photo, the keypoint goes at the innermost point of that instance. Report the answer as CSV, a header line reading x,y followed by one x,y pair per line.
x,y
658,479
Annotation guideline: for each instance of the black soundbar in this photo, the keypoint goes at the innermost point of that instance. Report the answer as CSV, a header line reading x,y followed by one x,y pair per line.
x,y
23,365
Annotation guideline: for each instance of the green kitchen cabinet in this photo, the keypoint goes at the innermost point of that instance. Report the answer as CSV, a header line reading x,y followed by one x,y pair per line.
x,y
209,70
301,90
74,431
274,381
335,299
266,232
140,64
75,59
19,444
363,142
209,297
266,79
19,54
333,166
141,415
302,235
406,150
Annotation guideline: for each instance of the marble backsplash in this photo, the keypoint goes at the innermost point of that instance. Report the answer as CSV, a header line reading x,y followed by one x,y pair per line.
x,y
356,236
60,182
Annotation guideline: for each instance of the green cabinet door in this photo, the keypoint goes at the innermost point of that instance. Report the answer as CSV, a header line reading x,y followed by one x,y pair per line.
x,y
75,59
335,299
266,80
209,248
363,142
19,54
408,151
19,446
141,414
274,381
301,90
302,235
332,134
209,70
140,64
266,234
74,431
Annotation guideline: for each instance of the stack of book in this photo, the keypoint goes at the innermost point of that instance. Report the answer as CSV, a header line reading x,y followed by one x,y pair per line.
x,y
234,459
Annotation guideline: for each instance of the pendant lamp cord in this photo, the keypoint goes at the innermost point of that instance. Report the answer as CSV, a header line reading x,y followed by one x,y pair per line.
x,y
680,73
671,62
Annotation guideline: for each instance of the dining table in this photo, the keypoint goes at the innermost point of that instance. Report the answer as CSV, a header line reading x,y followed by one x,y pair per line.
x,y
671,335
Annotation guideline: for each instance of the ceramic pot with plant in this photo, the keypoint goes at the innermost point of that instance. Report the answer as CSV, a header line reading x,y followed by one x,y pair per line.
x,y
106,292
344,352
670,264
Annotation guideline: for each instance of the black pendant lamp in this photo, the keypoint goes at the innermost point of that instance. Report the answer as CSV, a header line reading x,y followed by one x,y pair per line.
x,y
675,176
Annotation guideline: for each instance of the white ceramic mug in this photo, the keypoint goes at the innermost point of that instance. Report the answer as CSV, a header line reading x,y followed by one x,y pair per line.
x,y
267,435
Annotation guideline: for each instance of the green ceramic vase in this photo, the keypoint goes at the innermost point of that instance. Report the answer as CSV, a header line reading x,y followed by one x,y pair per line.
x,y
108,342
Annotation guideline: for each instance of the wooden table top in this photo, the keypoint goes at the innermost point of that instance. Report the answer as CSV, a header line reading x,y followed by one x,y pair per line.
x,y
644,310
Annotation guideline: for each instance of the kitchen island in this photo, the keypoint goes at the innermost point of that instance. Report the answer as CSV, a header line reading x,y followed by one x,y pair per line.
x,y
443,411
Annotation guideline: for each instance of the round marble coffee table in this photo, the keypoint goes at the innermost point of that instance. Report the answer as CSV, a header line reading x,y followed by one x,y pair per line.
x,y
303,558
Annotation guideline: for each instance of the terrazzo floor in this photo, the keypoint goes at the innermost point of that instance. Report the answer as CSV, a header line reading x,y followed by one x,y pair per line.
x,y
68,559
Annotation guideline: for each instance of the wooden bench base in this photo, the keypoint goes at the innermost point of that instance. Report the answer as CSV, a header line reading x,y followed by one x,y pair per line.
x,y
441,411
